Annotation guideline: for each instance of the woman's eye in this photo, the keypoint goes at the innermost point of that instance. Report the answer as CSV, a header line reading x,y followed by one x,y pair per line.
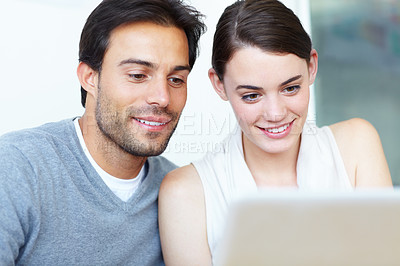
x,y
291,90
176,81
251,97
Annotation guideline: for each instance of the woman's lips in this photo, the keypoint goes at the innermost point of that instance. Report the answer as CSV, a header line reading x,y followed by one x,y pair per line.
x,y
278,132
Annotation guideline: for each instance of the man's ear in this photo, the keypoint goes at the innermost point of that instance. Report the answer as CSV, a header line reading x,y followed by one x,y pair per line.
x,y
87,78
217,84
313,66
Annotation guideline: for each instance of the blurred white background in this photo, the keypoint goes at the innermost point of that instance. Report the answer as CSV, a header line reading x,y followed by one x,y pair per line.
x,y
39,56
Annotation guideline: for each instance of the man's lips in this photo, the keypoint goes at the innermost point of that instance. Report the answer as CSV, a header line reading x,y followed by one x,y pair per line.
x,y
150,123
153,121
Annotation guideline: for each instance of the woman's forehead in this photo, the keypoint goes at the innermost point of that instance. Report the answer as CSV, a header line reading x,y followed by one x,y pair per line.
x,y
254,64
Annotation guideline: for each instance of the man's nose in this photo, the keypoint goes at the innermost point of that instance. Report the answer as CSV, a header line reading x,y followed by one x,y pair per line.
x,y
158,93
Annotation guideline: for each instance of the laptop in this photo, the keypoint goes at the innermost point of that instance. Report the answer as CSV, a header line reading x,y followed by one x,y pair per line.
x,y
299,228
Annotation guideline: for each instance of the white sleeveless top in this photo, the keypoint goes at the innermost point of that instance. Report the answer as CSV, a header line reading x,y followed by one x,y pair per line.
x,y
226,177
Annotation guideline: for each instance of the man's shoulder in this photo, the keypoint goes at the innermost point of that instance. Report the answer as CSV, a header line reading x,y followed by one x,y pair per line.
x,y
24,151
161,164
38,142
157,168
36,135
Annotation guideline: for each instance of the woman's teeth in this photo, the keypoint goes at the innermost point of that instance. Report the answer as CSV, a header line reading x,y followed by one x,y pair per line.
x,y
278,129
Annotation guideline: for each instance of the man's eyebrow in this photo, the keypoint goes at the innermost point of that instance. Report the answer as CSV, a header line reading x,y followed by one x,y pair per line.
x,y
249,87
151,65
180,68
138,62
290,80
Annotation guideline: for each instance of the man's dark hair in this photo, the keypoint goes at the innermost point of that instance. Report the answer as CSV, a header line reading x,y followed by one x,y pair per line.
x,y
111,14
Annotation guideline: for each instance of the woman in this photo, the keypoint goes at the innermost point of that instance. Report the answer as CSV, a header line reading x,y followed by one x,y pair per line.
x,y
263,64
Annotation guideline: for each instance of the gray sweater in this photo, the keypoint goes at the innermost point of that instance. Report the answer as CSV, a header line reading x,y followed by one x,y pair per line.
x,y
56,210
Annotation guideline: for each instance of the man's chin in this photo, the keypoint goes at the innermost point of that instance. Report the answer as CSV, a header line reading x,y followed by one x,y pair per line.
x,y
146,144
147,153
156,144
147,149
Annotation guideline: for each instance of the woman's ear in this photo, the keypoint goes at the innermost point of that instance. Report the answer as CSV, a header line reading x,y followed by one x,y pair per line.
x,y
217,84
313,66
87,78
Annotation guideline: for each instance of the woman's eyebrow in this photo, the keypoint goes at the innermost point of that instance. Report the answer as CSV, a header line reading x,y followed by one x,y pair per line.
x,y
250,87
291,80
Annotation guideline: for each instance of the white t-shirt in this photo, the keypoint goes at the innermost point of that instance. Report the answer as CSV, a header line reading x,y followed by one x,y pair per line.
x,y
122,188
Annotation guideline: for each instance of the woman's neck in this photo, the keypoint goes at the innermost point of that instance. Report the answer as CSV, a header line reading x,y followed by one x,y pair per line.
x,y
271,169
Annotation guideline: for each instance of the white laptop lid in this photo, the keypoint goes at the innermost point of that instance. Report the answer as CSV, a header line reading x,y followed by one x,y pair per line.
x,y
298,228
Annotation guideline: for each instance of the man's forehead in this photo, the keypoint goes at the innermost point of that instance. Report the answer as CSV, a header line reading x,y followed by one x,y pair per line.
x,y
144,28
148,43
148,34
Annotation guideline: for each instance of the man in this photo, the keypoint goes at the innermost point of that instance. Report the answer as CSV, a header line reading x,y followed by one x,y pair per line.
x,y
83,191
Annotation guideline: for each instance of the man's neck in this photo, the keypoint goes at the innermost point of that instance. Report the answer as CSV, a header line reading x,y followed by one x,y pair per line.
x,y
107,154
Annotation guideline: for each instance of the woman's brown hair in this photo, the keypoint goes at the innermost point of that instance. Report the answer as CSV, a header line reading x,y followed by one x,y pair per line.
x,y
266,24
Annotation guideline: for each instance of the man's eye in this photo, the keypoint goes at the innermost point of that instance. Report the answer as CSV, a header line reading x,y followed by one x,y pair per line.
x,y
137,77
251,97
176,81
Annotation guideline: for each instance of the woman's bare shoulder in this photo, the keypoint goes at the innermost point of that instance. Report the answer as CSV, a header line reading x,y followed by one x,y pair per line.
x,y
352,128
355,137
182,218
183,181
362,152
183,171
